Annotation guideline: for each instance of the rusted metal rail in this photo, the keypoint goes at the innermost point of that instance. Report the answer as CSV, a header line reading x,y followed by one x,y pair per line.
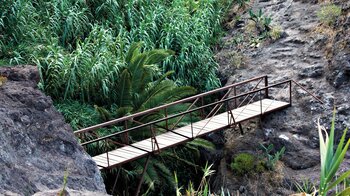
x,y
258,93
181,115
115,121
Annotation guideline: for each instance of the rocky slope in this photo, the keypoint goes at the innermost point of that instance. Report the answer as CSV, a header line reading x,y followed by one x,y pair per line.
x,y
36,145
315,55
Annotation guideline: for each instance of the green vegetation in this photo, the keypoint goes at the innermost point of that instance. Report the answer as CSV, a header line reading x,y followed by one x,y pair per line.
x,y
306,186
331,160
271,159
242,3
275,33
67,35
65,180
100,60
262,23
328,14
203,188
243,163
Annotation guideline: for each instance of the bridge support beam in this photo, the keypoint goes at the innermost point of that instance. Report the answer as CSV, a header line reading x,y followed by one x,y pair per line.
x,y
240,128
142,176
116,180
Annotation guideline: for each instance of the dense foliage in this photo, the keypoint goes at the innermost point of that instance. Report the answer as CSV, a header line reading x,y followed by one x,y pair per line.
x,y
102,59
91,37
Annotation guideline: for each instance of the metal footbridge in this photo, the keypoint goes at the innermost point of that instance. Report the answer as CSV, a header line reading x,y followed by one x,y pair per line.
x,y
160,128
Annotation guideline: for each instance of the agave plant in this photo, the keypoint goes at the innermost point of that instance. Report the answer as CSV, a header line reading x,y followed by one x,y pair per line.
x,y
331,160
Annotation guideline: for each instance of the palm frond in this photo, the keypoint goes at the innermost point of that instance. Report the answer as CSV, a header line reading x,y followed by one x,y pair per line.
x,y
199,142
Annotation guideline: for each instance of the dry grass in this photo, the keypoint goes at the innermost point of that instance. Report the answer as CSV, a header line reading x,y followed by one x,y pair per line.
x,y
236,59
3,80
330,33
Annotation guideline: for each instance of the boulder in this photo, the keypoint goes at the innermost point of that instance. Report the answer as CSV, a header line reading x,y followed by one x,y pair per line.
x,y
36,145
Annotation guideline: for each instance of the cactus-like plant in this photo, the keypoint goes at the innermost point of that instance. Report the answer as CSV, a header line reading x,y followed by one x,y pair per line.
x,y
331,160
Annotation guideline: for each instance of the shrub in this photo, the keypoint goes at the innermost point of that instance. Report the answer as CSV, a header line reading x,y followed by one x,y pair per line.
x,y
260,166
275,33
328,14
271,159
262,22
243,163
306,186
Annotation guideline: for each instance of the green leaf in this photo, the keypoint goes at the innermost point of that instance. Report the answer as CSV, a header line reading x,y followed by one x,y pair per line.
x,y
339,180
123,111
330,143
345,192
340,147
199,142
133,51
335,167
157,56
124,89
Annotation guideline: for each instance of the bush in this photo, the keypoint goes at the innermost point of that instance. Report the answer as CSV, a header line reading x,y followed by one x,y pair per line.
x,y
329,14
275,32
270,158
243,163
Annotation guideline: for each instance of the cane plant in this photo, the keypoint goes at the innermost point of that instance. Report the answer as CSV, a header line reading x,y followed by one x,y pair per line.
x,y
330,160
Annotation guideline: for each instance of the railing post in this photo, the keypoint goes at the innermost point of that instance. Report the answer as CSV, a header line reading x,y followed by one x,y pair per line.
x,y
191,123
107,159
152,138
290,92
202,110
266,90
234,94
142,176
166,116
126,135
228,114
260,102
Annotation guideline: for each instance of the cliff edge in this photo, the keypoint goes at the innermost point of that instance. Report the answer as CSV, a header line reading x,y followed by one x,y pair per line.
x,y
36,145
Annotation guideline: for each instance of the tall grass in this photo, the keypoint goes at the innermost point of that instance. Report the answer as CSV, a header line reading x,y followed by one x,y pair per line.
x,y
32,31
81,50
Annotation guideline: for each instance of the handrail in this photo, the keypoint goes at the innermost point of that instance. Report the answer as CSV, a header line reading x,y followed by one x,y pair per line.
x,y
115,121
228,92
311,94
183,113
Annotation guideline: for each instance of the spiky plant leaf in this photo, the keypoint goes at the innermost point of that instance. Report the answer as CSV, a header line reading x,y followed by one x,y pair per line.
x,y
199,142
124,89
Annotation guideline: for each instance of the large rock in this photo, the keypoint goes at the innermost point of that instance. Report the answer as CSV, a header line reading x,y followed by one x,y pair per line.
x,y
36,145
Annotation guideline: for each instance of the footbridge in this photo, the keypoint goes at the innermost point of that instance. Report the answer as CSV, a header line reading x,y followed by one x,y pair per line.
x,y
151,131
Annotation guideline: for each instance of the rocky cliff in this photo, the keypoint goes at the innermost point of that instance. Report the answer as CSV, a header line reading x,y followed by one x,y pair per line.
x,y
36,145
317,56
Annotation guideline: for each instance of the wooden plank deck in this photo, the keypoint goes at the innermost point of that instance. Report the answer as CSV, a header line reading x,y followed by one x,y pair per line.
x,y
183,134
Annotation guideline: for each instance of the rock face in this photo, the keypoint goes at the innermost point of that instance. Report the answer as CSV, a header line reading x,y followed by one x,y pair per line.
x,y
36,145
316,56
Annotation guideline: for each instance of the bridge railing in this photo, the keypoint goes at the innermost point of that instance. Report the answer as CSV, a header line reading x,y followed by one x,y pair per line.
x,y
121,138
169,122
154,145
194,99
150,126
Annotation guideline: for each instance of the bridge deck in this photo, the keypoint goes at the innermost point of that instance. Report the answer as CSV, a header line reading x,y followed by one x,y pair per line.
x,y
183,134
